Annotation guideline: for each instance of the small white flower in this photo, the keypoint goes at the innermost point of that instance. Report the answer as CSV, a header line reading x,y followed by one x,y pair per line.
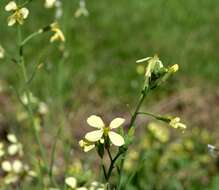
x,y
43,108
96,122
59,11
13,149
12,138
18,14
10,179
6,166
154,65
17,166
96,186
32,173
49,3
71,182
82,10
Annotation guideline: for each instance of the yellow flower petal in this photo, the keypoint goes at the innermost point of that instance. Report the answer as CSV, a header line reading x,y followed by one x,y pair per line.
x,y
49,3
95,121
11,6
94,135
88,147
117,122
12,138
13,149
17,166
11,20
116,138
6,166
25,12
71,182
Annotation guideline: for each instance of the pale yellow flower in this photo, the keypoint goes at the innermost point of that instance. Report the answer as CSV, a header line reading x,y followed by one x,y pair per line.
x,y
86,145
43,108
19,14
17,166
2,52
58,34
96,186
104,131
154,65
31,173
10,179
6,166
12,138
49,3
13,149
175,123
82,10
71,182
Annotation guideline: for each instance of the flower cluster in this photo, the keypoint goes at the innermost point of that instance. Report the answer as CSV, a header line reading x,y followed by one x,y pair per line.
x,y
155,72
72,184
103,133
58,34
12,166
40,107
175,123
19,14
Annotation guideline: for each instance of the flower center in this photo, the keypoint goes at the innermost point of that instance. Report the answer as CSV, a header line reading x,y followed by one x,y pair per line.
x,y
106,130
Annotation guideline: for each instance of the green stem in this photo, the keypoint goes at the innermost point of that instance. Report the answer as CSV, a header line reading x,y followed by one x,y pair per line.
x,y
110,156
28,38
109,173
53,157
158,117
27,94
104,171
141,100
144,93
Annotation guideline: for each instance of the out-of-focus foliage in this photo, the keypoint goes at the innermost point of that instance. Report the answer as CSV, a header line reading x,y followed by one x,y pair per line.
x,y
162,161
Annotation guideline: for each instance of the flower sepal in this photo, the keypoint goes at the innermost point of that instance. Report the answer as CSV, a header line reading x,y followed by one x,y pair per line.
x,y
100,149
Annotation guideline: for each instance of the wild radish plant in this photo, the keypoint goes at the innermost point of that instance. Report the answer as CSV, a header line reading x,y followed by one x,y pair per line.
x,y
19,13
103,138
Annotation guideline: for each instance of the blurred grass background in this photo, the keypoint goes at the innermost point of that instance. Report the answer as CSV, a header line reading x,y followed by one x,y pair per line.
x,y
99,74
